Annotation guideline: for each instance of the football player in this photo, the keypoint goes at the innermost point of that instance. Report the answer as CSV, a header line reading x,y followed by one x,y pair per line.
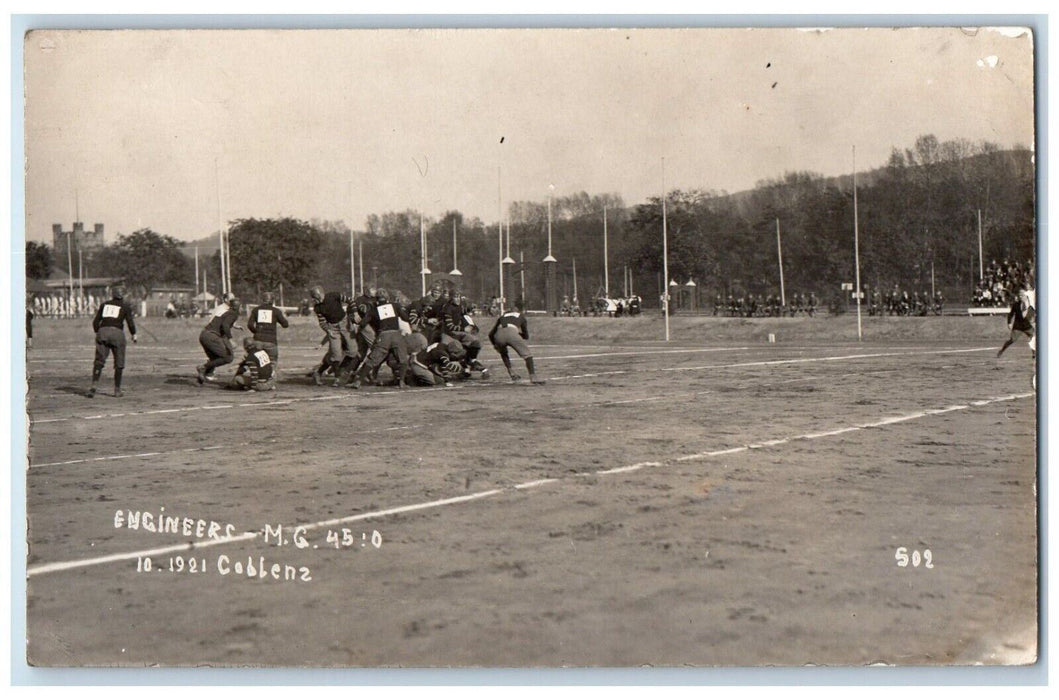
x,y
109,325
512,331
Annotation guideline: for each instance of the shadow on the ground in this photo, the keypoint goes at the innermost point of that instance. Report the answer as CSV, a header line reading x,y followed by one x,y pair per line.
x,y
71,389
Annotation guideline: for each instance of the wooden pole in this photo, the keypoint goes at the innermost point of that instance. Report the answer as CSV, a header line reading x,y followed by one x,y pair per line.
x,y
606,267
352,262
779,252
856,245
981,259
665,252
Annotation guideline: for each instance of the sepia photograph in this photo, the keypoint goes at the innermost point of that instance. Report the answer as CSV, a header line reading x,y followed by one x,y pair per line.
x,y
531,348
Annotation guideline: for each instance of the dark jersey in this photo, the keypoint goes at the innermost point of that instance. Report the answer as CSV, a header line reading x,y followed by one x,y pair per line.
x,y
511,318
223,320
362,307
263,321
421,311
331,309
387,317
114,314
258,366
1017,319
454,317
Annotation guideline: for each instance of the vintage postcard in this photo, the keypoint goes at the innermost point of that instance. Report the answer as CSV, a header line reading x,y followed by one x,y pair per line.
x,y
609,347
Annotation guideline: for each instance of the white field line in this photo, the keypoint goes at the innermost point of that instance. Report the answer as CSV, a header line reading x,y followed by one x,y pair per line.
x,y
124,556
588,404
347,394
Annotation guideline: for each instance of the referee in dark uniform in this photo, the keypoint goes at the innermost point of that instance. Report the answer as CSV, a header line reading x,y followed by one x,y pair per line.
x,y
109,325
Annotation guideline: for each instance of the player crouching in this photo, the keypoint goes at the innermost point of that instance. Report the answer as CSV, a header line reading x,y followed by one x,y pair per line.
x,y
512,331
256,372
458,324
430,364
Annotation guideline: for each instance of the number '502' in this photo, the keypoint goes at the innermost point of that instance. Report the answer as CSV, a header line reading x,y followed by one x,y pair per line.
x,y
926,559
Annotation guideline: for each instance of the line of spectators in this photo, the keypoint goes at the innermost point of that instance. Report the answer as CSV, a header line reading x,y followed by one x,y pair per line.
x,y
751,306
899,302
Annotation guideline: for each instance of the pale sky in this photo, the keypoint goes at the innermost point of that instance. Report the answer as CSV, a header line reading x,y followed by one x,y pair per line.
x,y
146,127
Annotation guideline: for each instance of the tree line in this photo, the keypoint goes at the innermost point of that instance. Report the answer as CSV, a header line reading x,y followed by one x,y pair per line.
x,y
918,213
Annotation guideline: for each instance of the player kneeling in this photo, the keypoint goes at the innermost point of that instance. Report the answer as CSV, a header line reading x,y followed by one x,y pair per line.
x,y
257,370
512,331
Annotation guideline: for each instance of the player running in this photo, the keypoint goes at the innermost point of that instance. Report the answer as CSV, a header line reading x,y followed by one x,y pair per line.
x,y
216,339
1020,320
109,325
512,331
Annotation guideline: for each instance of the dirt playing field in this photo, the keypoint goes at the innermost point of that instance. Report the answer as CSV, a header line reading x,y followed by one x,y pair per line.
x,y
715,500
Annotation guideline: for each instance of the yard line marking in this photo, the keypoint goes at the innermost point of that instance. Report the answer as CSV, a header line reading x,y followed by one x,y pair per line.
x,y
644,352
800,360
125,556
532,484
630,468
403,509
813,436
387,394
80,563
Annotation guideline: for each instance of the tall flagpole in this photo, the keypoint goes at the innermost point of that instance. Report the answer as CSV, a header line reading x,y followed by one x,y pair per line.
x,y
424,271
500,234
196,270
352,262
220,229
228,257
779,252
665,252
575,277
856,245
360,257
455,268
70,267
606,265
522,274
981,260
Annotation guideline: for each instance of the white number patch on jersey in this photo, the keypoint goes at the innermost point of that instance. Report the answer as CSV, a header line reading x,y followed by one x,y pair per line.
x,y
111,311
264,315
262,357
386,311
220,310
